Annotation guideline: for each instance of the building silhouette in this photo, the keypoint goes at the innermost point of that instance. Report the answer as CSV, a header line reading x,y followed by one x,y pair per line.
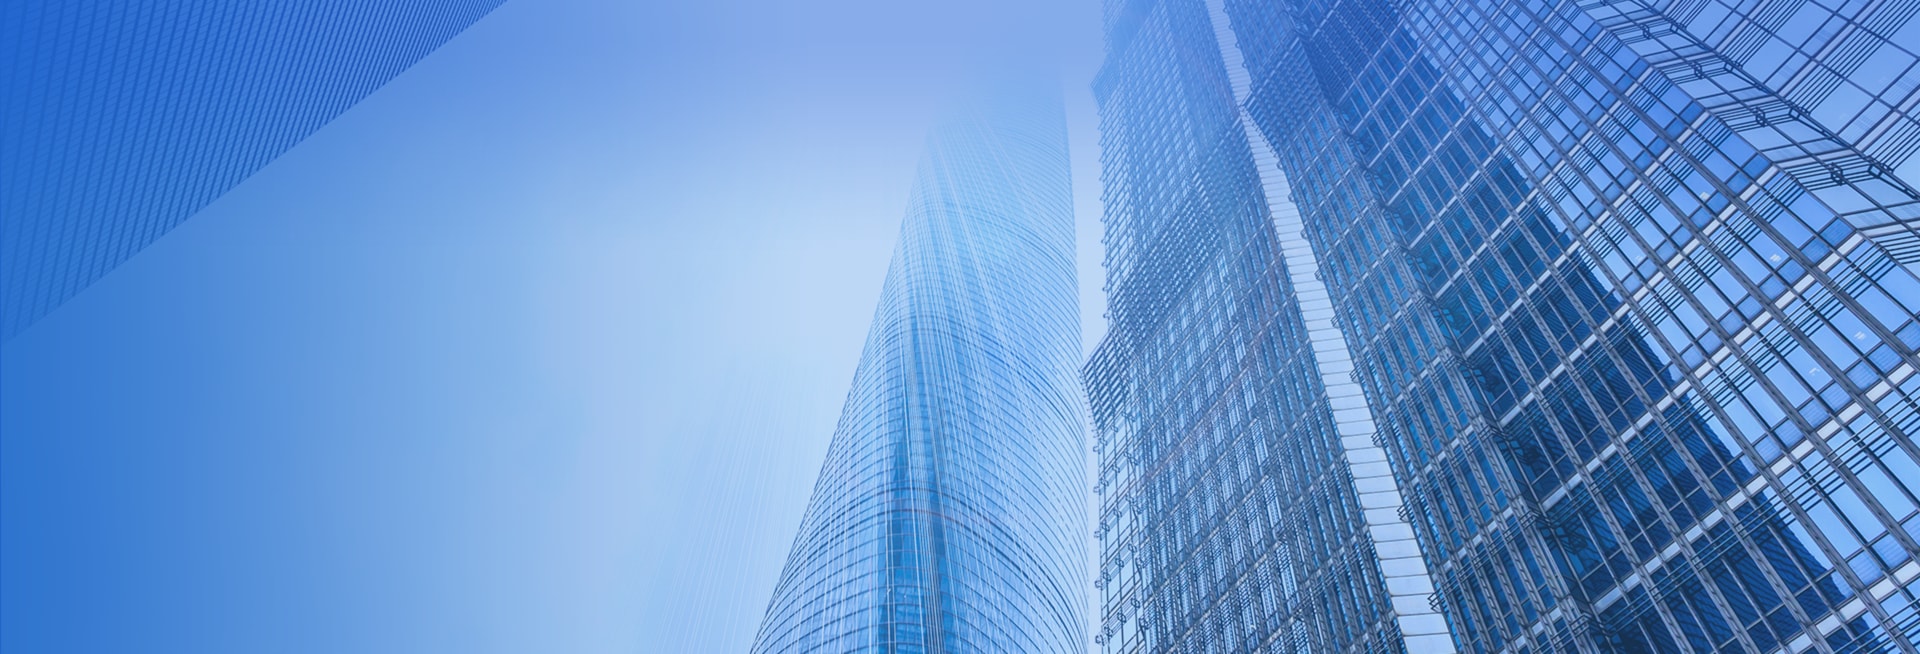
x,y
121,119
950,513
1627,291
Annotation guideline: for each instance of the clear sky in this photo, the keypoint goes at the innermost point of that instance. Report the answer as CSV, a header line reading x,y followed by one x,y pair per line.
x,y
537,349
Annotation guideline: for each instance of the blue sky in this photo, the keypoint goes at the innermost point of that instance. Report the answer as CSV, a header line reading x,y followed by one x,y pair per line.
x,y
536,349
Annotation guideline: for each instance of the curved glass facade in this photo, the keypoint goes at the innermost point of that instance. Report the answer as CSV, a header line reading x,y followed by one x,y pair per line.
x,y
950,513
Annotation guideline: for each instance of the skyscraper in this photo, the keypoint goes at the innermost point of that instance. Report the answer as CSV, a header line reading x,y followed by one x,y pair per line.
x,y
1629,289
1245,506
950,513
121,119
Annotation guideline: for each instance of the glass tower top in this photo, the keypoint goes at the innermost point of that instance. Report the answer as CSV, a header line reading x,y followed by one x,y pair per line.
x,y
949,516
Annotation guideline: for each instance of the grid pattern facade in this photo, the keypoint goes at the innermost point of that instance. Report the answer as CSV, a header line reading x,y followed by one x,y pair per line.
x,y
120,119
950,516
1829,94
1409,582
1645,372
1229,516
1845,69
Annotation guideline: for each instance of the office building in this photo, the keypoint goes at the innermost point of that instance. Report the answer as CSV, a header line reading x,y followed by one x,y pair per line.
x,y
1245,506
950,513
1629,290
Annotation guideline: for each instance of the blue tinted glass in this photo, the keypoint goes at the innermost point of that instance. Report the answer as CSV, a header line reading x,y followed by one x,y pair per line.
x,y
121,119
1606,288
950,514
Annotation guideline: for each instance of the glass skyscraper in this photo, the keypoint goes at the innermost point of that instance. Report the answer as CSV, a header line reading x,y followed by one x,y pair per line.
x,y
1245,506
1627,290
120,119
950,514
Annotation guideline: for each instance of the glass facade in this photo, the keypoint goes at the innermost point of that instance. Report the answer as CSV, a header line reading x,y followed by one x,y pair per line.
x,y
950,514
1629,289
1244,504
120,119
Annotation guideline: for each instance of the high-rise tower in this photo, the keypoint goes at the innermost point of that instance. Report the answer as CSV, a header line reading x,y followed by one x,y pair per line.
x,y
950,513
1654,266
1629,289
1244,504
